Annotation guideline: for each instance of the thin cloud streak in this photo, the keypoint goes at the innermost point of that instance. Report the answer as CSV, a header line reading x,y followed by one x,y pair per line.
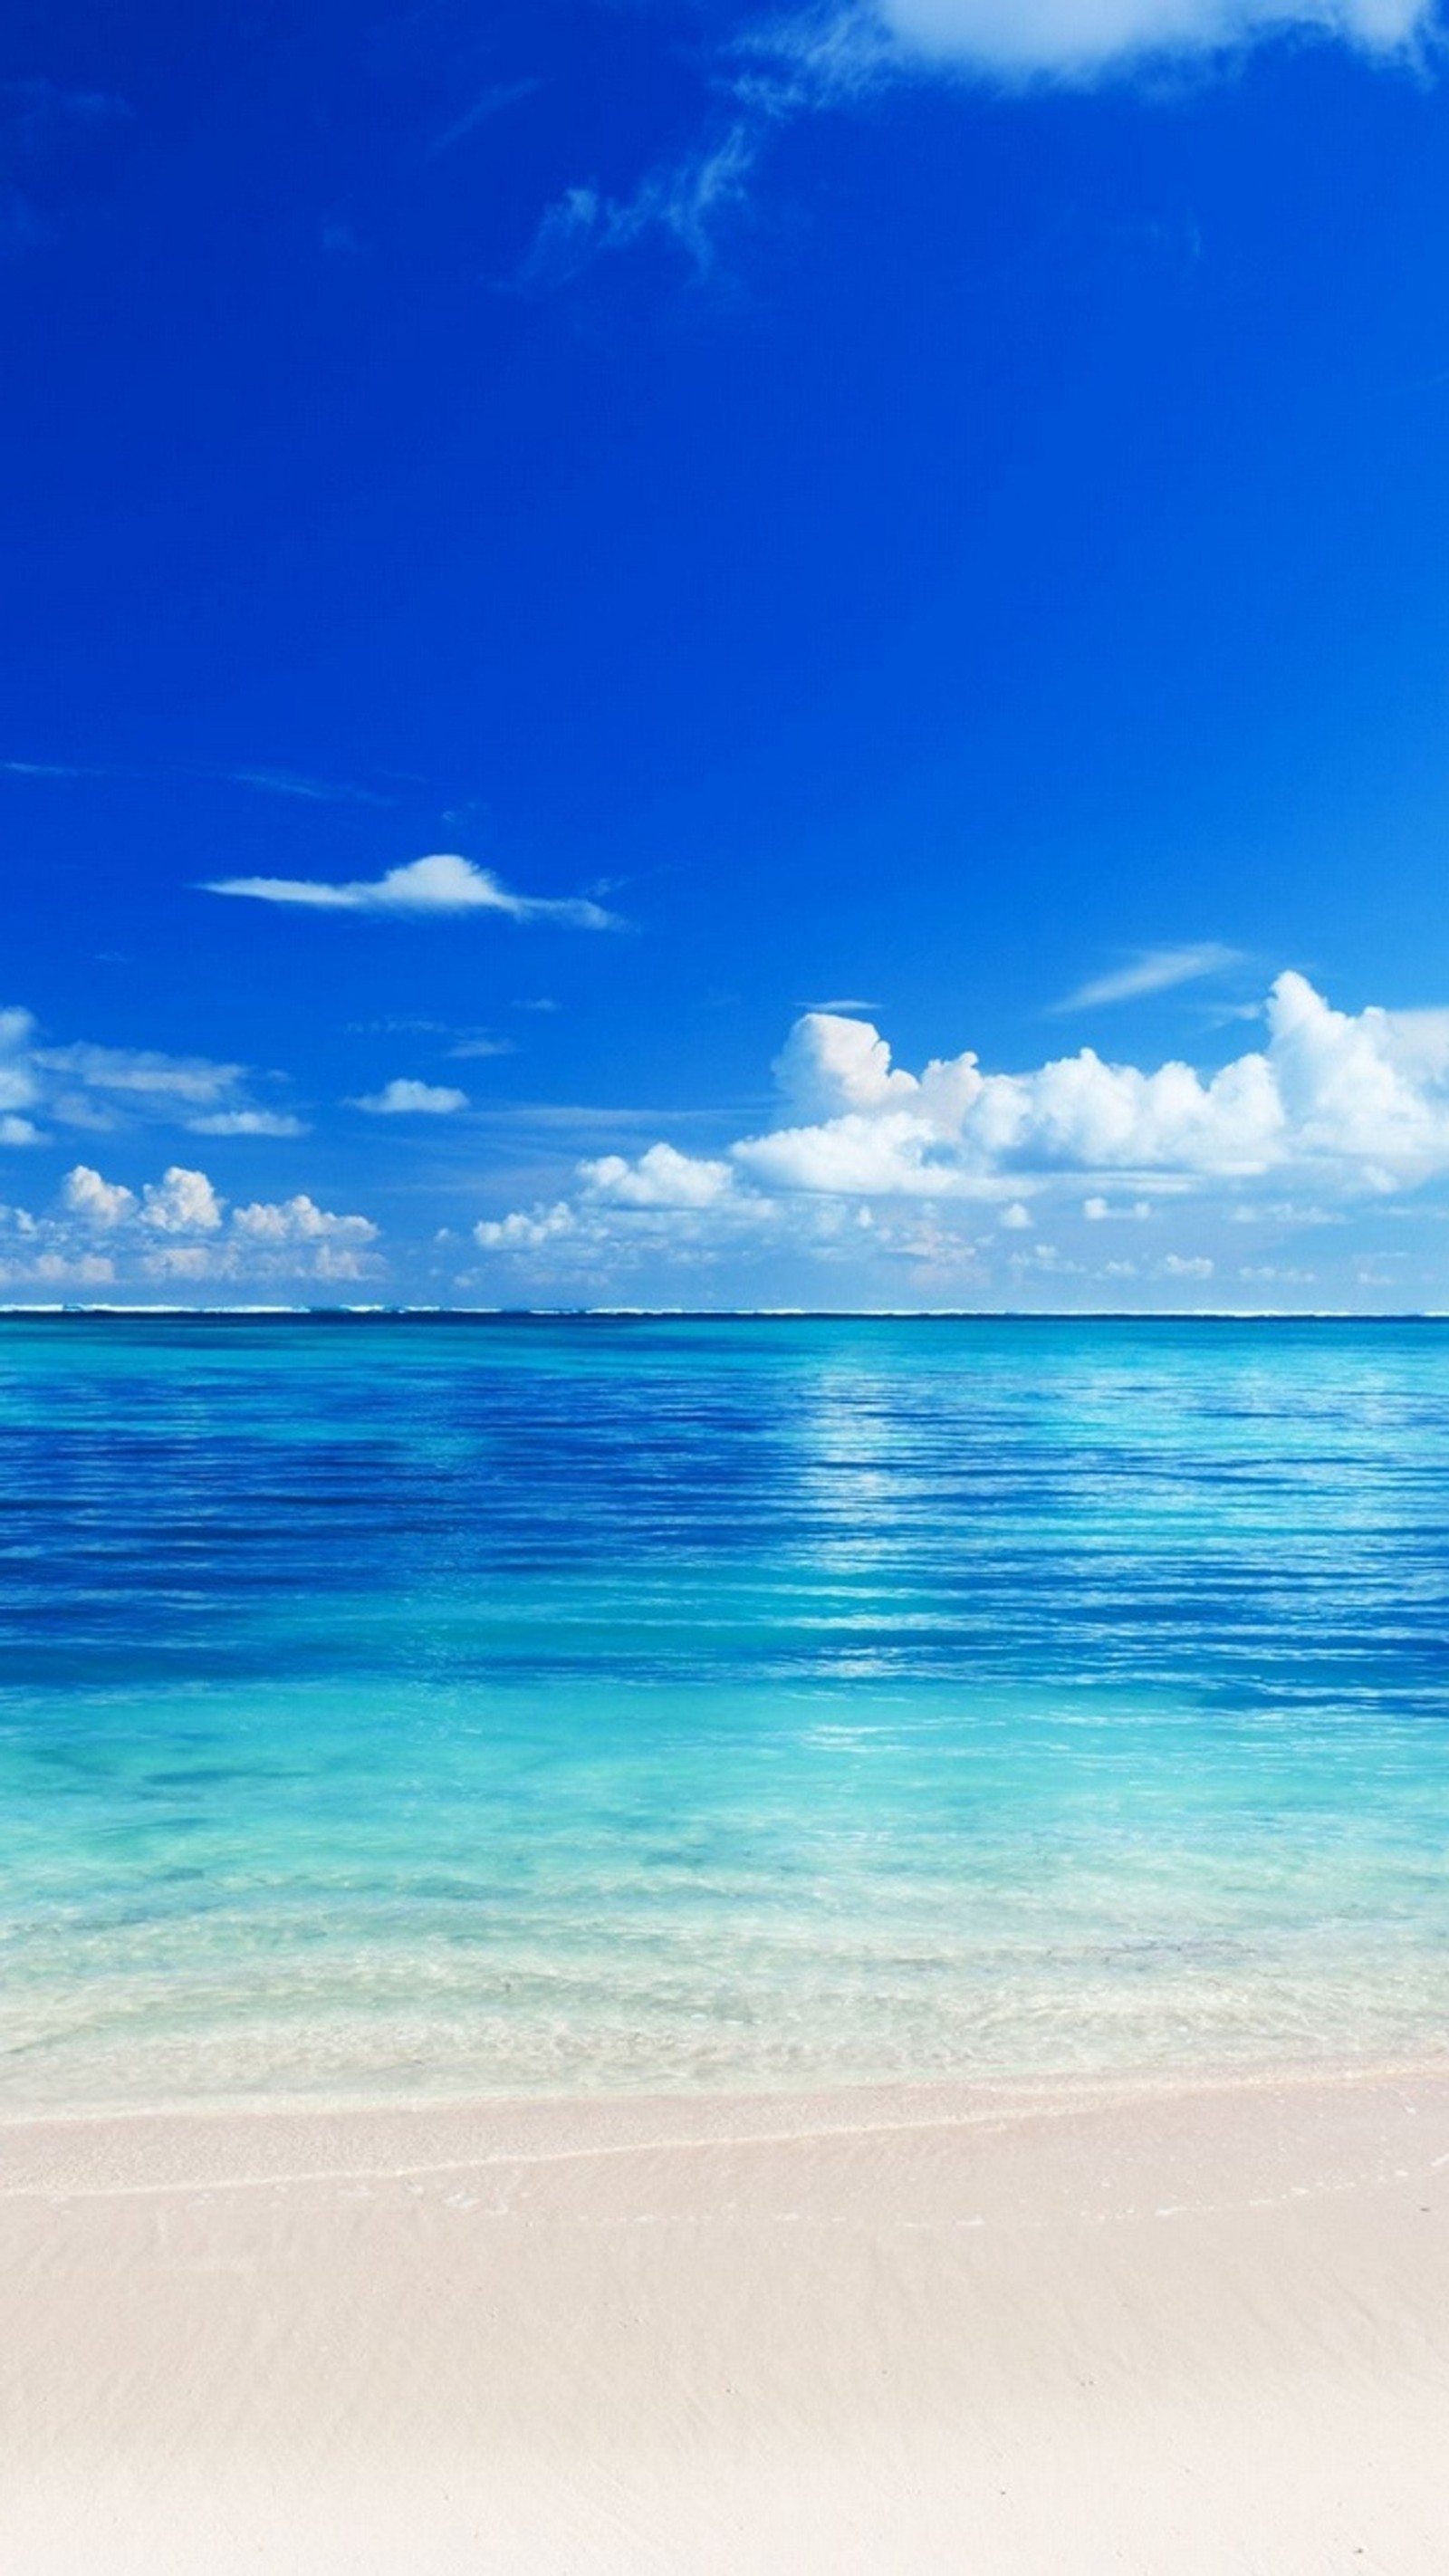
x,y
837,55
492,102
266,782
443,884
1156,970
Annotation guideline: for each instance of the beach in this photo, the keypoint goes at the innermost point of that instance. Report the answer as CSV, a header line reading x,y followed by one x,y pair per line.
x,y
803,1946
1125,2327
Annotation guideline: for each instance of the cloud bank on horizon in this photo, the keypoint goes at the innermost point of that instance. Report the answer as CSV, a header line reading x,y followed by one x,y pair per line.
x,y
871,1174
177,1236
1347,1105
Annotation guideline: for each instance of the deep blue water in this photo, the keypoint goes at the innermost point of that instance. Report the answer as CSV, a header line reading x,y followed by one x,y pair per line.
x,y
478,1703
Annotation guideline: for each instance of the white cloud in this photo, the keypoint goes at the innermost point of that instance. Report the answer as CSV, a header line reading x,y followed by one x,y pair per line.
x,y
247,1122
16,1029
828,1065
849,1002
101,1203
1353,1103
18,1087
1080,39
70,1270
442,884
104,1089
191,1080
1366,1096
300,1220
662,1178
882,1157
178,1230
953,1127
1156,970
177,1261
526,1230
181,1202
405,1099
1187,1266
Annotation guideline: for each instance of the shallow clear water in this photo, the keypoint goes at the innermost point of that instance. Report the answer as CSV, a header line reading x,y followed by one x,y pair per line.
x,y
454,1705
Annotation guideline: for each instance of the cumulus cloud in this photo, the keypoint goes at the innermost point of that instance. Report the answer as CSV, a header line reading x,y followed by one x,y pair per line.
x,y
828,1064
405,1099
526,1229
442,884
1355,1103
101,1203
660,1178
1366,1096
300,1220
179,1230
181,1202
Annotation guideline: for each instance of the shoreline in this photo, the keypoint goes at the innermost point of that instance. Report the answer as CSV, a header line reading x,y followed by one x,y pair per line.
x,y
486,2125
1201,2323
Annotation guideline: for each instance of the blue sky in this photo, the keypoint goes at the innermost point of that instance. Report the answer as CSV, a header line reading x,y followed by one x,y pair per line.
x,y
665,653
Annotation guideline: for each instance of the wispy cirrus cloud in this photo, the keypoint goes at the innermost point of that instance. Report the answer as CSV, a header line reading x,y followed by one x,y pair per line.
x,y
1153,970
443,884
684,200
837,53
265,782
141,1073
478,1049
311,791
106,1089
496,100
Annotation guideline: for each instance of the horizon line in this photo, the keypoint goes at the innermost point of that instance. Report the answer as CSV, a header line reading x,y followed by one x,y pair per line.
x,y
97,1310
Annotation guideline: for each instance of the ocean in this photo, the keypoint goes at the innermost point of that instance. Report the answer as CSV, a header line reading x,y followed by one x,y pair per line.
x,y
457,1705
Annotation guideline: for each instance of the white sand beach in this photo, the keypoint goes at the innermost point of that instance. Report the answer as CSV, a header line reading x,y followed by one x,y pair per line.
x,y
1147,2328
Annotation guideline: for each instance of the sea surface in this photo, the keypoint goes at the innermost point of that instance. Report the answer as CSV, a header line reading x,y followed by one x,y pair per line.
x,y
442,1706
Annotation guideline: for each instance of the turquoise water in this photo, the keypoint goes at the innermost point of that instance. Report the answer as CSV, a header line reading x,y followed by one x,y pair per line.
x,y
458,1705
